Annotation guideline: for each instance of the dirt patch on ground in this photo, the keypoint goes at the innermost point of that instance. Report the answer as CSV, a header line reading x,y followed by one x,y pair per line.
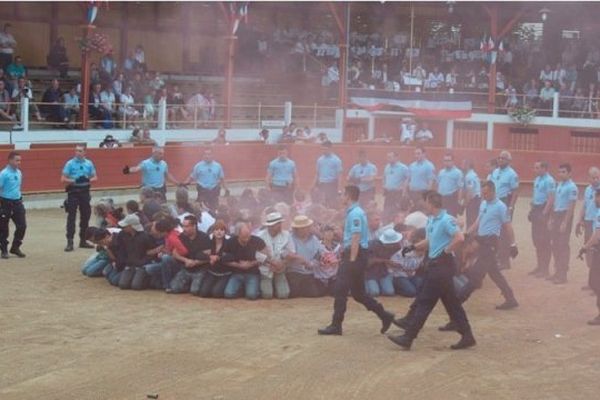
x,y
64,336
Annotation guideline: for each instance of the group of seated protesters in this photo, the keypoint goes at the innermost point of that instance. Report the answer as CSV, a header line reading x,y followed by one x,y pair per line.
x,y
242,249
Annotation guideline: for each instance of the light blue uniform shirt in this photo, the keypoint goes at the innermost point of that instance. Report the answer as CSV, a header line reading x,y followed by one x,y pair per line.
x,y
395,176
361,171
440,231
10,183
356,222
153,173
492,215
208,174
597,220
506,181
589,203
329,168
450,181
75,168
472,183
282,171
422,173
566,194
543,185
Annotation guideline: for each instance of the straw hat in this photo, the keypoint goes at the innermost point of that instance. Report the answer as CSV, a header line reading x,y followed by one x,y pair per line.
x,y
390,236
273,218
301,221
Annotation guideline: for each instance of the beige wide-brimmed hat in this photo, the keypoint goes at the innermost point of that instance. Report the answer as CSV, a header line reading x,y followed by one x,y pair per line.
x,y
301,221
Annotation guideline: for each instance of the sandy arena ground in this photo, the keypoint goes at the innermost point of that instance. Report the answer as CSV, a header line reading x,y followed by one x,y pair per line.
x,y
64,336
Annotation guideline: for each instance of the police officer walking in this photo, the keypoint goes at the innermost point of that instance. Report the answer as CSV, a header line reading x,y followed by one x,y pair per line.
x,y
395,186
77,174
281,177
363,175
544,187
351,274
422,176
329,169
155,171
591,248
443,237
450,184
561,221
209,177
11,206
472,192
588,212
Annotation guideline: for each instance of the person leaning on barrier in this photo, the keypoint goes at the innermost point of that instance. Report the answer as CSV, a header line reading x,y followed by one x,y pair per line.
x,y
11,206
77,174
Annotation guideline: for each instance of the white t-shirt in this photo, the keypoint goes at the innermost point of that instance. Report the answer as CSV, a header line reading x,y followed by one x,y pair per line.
x,y
7,43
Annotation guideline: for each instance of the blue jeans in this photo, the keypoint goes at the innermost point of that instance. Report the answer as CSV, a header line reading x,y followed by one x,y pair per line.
x,y
382,286
113,275
408,287
251,282
94,266
163,271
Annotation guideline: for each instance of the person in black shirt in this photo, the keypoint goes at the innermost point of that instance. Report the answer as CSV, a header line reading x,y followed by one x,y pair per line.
x,y
215,281
243,248
195,261
136,249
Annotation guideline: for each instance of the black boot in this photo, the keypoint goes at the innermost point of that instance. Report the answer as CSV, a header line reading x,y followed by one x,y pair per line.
x,y
449,327
85,245
69,245
403,341
4,254
386,321
402,323
508,304
17,252
333,329
465,342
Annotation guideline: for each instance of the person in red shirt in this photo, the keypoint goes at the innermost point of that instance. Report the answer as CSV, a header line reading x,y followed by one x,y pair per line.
x,y
162,271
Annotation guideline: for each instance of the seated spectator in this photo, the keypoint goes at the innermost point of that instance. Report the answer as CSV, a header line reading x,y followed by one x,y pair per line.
x,y
98,112
108,68
176,107
94,74
16,69
378,281
452,79
194,260
280,247
482,79
57,58
407,131
531,94
109,142
500,81
579,103
71,100
221,137
156,83
23,89
7,111
197,107
546,74
403,268
511,98
139,58
118,85
7,46
127,110
546,96
424,135
217,277
435,79
108,100
129,65
243,248
322,138
305,259
147,139
565,97
325,270
54,109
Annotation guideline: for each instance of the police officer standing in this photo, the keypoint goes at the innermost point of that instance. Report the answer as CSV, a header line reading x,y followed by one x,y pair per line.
x,y
544,187
363,175
155,171
422,176
561,223
11,206
329,169
395,186
443,237
472,192
209,177
281,177
450,184
351,274
592,249
506,182
588,211
77,174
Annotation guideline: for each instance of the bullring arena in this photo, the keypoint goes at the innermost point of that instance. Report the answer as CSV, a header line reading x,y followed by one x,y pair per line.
x,y
122,81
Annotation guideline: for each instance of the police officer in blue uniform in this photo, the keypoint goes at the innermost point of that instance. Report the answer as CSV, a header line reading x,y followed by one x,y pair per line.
x,y
422,176
155,171
561,221
589,210
591,248
363,175
11,206
539,215
282,177
395,186
472,192
210,178
351,274
443,237
329,170
78,174
450,183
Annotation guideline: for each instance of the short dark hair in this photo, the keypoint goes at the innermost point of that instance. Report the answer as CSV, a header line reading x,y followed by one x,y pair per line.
x,y
13,154
192,219
281,148
543,164
490,185
434,198
326,143
132,206
565,166
353,192
166,224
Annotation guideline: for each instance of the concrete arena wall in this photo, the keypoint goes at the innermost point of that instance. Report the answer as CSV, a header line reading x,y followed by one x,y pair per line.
x,y
248,161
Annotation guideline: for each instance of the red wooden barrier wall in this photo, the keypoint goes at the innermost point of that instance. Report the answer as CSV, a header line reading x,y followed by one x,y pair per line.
x,y
42,167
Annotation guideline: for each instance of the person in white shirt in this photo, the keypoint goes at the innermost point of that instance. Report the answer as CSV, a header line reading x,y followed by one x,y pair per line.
x,y
451,78
424,134
140,58
107,100
435,79
127,110
198,107
419,72
7,46
407,131
546,73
